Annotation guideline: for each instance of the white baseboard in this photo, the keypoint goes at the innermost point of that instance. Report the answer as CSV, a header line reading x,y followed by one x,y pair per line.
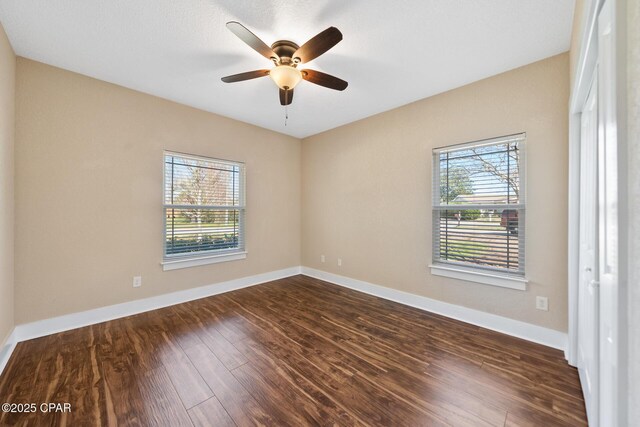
x,y
67,322
6,349
27,331
516,328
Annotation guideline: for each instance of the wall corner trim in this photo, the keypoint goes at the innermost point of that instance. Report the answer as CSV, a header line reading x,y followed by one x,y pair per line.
x,y
6,349
67,322
516,328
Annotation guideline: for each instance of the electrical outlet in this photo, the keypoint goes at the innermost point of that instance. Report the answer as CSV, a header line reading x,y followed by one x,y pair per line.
x,y
542,303
137,281
339,262
322,258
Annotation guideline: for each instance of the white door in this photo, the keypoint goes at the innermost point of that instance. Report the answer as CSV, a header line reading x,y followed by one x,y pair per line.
x,y
608,216
588,292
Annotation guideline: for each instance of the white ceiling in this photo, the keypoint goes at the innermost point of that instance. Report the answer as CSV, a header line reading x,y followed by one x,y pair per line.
x,y
393,52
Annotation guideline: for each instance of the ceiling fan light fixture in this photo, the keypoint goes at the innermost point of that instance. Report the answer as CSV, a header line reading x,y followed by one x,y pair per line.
x,y
285,76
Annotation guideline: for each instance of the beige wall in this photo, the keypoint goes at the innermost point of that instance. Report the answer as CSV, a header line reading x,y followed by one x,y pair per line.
x,y
7,130
89,188
89,170
367,190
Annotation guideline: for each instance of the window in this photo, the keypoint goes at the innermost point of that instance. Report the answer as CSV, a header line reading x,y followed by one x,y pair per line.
x,y
479,211
203,210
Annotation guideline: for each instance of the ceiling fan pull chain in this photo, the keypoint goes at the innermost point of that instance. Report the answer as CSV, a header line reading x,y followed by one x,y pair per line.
x,y
286,106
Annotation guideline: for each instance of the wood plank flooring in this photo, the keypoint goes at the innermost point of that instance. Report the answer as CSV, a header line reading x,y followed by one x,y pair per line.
x,y
296,351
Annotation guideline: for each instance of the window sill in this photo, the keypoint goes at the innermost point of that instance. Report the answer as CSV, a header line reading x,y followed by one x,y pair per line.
x,y
487,278
202,260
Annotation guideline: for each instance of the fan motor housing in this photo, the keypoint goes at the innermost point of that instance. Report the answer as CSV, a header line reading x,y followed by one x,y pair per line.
x,y
285,50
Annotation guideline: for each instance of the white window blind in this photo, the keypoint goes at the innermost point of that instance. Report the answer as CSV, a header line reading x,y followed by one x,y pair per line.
x,y
204,206
479,205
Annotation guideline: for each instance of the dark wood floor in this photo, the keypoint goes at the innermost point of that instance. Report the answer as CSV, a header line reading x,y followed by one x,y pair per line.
x,y
296,351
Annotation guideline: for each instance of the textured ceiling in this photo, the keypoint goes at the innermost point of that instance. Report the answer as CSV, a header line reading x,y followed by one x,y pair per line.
x,y
393,52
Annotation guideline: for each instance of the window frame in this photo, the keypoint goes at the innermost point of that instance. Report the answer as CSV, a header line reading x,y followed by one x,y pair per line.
x,y
178,261
467,271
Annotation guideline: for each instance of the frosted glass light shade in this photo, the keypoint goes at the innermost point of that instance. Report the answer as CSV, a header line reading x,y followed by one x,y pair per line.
x,y
285,76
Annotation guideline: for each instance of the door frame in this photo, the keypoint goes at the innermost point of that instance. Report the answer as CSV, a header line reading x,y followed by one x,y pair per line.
x,y
589,371
585,68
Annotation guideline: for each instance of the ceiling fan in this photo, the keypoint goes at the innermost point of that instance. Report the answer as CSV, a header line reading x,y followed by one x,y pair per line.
x,y
286,55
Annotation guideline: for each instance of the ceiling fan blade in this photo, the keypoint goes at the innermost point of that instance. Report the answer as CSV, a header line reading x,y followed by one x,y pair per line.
x,y
245,76
326,80
251,39
286,96
318,45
